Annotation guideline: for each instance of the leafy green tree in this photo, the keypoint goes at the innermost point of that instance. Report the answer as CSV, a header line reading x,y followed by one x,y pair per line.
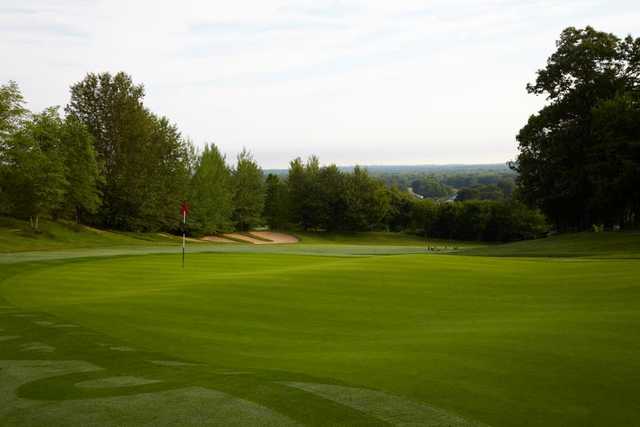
x,y
296,185
430,187
367,200
12,113
313,212
480,192
276,206
330,203
560,146
615,160
144,159
422,217
401,208
248,192
12,110
211,193
82,172
304,192
512,221
165,175
33,167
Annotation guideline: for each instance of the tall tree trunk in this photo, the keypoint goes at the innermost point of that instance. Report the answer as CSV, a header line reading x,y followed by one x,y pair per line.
x,y
37,220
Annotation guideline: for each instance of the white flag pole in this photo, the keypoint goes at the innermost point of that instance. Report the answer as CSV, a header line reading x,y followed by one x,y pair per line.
x,y
184,237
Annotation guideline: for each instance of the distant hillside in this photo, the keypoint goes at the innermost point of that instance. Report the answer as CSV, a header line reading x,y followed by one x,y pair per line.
x,y
418,169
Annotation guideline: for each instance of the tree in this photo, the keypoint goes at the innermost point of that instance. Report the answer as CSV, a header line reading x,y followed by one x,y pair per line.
x,y
481,192
82,172
367,200
430,187
12,113
615,160
558,163
304,192
296,186
276,205
145,161
12,110
211,193
33,167
329,197
399,217
248,192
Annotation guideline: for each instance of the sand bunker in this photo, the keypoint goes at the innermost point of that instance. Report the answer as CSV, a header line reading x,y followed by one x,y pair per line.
x,y
262,238
392,409
112,382
245,239
279,238
216,239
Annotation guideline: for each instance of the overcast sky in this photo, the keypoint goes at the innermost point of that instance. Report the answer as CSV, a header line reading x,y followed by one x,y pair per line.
x,y
353,81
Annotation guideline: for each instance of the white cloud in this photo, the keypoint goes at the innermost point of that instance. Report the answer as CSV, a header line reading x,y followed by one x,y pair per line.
x,y
353,81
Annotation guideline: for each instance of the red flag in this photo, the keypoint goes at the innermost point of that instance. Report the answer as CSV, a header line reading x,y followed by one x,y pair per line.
x,y
184,209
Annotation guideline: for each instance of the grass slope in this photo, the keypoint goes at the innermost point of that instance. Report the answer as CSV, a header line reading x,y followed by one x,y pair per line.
x,y
585,244
17,236
324,340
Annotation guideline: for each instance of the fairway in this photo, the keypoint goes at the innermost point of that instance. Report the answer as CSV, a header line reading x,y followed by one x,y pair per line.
x,y
282,339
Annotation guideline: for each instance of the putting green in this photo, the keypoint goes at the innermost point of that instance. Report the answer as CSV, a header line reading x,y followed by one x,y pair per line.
x,y
301,339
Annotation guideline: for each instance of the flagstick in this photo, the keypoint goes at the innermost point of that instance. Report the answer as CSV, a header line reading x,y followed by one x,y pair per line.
x,y
184,238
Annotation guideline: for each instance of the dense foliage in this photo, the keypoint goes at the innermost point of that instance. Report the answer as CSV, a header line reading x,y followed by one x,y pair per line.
x,y
112,163
579,157
326,198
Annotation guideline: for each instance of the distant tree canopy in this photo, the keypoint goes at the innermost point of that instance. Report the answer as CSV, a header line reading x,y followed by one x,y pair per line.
x,y
313,197
579,157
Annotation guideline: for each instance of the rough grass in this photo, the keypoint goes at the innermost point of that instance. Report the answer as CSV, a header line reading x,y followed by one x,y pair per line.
x,y
493,340
17,236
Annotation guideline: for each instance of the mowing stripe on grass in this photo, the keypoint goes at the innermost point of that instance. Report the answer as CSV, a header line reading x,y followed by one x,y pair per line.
x,y
110,382
392,409
192,406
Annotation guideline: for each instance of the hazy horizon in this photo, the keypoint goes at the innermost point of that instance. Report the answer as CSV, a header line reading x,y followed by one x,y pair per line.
x,y
353,82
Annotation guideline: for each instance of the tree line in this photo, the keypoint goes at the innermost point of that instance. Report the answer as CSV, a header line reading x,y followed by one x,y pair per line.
x,y
311,197
108,161
111,162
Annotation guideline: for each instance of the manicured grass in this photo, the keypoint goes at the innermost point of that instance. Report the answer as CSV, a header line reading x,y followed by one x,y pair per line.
x,y
585,244
322,340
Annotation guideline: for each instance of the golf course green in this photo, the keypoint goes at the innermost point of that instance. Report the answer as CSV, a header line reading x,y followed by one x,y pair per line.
x,y
268,335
